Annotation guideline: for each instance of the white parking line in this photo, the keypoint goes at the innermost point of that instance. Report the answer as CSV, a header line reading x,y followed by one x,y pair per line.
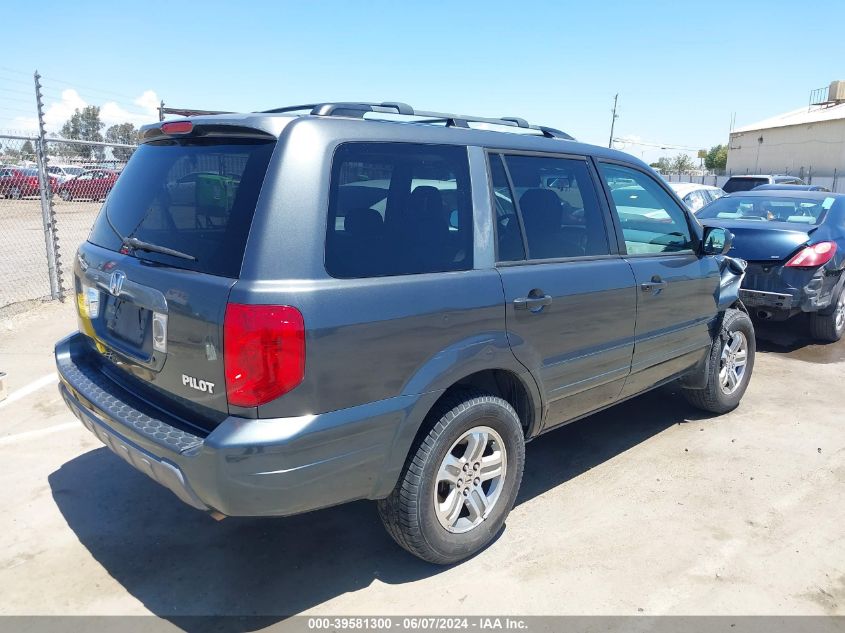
x,y
26,435
32,387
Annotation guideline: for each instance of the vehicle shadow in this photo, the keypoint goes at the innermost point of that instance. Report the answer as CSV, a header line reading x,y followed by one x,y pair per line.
x,y
792,339
183,566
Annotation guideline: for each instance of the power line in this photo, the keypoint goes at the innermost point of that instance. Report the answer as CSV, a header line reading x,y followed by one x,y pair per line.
x,y
659,145
14,70
90,89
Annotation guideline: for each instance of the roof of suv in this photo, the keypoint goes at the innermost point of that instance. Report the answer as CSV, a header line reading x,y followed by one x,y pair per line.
x,y
399,121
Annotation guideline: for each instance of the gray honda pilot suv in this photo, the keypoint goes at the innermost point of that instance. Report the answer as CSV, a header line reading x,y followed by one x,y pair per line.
x,y
287,310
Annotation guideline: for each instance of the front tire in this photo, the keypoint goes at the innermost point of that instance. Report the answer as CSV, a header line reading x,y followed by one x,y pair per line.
x,y
65,195
15,193
729,367
829,325
460,480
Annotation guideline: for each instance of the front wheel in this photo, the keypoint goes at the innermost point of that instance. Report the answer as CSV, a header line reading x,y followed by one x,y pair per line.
x,y
729,366
829,325
460,480
15,193
65,195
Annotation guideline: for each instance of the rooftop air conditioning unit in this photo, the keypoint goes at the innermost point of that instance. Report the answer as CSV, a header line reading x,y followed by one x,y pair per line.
x,y
836,91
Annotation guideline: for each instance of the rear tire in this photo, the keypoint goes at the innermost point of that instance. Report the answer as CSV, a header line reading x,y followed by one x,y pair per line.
x,y
65,195
730,365
828,325
15,193
440,510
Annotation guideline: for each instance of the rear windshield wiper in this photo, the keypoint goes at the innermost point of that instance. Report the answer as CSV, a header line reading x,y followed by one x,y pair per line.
x,y
139,245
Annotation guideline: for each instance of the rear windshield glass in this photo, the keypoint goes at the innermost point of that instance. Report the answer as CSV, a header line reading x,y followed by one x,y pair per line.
x,y
764,209
196,196
743,184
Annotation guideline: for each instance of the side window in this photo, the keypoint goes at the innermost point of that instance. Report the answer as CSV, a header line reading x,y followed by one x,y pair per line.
x,y
399,209
651,221
508,234
695,200
558,205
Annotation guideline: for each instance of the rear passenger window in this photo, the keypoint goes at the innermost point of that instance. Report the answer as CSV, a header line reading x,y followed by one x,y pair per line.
x,y
399,209
559,209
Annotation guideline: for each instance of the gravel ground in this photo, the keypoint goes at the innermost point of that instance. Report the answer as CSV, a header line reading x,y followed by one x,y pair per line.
x,y
23,259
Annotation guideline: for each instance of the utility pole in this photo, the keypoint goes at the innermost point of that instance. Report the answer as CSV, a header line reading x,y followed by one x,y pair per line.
x,y
613,120
48,216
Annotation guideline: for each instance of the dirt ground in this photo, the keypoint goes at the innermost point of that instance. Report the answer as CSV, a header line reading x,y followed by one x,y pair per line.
x,y
647,508
23,259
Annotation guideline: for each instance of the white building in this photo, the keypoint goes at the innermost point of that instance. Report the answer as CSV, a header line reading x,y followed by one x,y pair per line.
x,y
804,142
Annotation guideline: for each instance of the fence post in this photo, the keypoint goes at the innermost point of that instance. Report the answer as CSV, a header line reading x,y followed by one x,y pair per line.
x,y
833,184
48,216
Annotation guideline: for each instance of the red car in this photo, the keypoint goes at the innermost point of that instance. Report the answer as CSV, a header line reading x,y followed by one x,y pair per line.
x,y
20,182
93,184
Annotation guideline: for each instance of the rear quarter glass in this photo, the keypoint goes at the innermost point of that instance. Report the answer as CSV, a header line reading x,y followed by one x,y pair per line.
x,y
196,196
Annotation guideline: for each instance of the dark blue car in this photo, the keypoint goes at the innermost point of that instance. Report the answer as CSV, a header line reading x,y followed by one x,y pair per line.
x,y
794,242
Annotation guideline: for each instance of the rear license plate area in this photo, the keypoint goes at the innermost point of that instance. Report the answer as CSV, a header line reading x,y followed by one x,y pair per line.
x,y
127,321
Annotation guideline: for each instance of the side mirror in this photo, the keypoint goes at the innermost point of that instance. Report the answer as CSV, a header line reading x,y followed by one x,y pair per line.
x,y
717,241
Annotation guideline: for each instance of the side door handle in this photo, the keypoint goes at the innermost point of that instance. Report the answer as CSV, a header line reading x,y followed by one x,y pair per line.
x,y
656,284
533,303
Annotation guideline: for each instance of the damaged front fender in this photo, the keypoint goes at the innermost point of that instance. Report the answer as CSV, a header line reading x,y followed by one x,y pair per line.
x,y
732,271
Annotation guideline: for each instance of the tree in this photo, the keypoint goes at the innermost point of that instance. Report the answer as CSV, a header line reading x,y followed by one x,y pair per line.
x,y
682,163
85,125
27,151
663,164
124,133
717,157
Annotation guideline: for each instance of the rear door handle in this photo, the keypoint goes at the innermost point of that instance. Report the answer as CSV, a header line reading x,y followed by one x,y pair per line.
x,y
532,303
656,283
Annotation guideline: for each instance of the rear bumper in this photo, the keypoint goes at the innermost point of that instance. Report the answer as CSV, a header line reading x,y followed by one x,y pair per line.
x,y
783,291
244,467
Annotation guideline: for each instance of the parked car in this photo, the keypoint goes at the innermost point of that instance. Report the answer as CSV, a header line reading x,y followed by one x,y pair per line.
x,y
64,172
94,184
747,183
790,187
383,311
794,242
694,195
17,183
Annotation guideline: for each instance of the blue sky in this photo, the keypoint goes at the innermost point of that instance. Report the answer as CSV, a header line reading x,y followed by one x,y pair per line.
x,y
681,69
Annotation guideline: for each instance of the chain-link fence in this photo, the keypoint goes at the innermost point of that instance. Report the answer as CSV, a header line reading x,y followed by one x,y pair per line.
x,y
49,197
23,245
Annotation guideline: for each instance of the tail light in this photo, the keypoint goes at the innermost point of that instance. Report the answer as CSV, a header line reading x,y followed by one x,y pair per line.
x,y
813,256
263,352
177,127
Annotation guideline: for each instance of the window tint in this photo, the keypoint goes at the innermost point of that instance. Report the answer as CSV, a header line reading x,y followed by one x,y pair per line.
x,y
559,207
197,196
743,184
651,221
508,234
399,209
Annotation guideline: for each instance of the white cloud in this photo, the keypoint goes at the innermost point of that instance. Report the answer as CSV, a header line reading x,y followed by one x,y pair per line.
x,y
143,109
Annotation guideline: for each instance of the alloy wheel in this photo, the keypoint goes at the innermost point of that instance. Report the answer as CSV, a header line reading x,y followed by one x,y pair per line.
x,y
733,362
839,313
470,479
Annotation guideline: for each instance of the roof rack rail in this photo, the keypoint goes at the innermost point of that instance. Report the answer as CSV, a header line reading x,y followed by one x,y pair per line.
x,y
359,109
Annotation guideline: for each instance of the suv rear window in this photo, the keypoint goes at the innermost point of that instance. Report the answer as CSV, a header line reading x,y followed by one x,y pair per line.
x,y
399,209
196,196
743,184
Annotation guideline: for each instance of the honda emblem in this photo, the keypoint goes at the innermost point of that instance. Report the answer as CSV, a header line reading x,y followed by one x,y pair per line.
x,y
116,282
